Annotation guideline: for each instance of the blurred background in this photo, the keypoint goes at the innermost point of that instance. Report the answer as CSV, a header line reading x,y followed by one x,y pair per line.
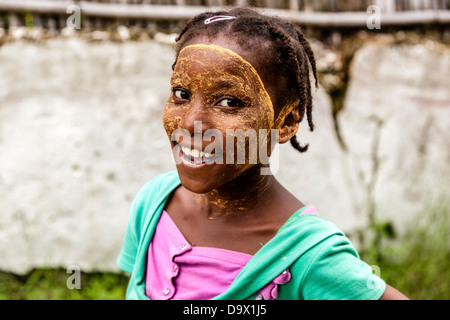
x,y
82,88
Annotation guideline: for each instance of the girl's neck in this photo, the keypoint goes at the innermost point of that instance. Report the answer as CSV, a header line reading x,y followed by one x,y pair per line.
x,y
241,196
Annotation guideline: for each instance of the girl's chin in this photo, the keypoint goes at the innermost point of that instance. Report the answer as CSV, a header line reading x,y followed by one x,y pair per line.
x,y
196,185
203,181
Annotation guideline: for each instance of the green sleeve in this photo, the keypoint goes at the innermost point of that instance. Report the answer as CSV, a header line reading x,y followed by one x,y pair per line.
x,y
150,199
337,273
130,242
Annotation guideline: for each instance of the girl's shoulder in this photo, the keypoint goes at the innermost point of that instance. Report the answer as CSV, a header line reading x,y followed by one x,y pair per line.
x,y
152,195
158,187
160,182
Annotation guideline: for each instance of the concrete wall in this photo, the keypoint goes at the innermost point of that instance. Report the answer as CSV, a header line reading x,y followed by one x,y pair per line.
x,y
81,132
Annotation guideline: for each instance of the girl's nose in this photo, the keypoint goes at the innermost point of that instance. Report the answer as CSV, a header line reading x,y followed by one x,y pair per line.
x,y
195,117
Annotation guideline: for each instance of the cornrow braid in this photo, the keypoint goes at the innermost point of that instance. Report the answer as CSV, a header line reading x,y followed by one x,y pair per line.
x,y
307,48
304,96
312,61
290,51
297,145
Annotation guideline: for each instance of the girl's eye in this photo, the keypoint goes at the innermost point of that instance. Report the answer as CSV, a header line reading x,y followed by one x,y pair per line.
x,y
228,102
181,94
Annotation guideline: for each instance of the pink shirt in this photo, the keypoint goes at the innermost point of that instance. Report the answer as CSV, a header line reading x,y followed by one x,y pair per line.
x,y
178,271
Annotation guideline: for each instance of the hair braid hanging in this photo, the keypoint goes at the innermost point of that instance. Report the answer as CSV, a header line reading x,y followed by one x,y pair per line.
x,y
305,103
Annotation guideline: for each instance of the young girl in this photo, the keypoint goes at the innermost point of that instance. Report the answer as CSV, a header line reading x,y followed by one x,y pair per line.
x,y
219,227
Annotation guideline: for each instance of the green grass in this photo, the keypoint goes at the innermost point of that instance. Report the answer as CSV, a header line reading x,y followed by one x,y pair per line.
x,y
51,284
417,263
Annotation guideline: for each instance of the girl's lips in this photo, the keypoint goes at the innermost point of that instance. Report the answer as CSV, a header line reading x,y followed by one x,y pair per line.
x,y
191,160
195,159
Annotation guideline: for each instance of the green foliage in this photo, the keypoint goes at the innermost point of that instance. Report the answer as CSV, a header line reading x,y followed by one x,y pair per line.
x,y
29,20
51,284
418,262
5,19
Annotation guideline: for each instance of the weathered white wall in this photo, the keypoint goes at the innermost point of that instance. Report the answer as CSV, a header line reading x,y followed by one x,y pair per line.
x,y
81,132
399,95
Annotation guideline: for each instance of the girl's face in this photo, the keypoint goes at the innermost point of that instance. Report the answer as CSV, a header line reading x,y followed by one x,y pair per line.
x,y
215,92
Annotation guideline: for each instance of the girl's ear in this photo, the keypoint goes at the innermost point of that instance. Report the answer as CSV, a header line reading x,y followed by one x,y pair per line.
x,y
288,123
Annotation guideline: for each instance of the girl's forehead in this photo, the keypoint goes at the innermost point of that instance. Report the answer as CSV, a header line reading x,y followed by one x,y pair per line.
x,y
217,58
226,42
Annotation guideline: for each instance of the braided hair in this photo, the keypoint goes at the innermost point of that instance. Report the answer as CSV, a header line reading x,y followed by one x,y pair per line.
x,y
287,55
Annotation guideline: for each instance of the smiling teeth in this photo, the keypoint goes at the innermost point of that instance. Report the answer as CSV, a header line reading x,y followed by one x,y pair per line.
x,y
195,153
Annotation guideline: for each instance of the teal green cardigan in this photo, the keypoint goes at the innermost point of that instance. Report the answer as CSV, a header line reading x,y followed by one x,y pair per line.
x,y
322,261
